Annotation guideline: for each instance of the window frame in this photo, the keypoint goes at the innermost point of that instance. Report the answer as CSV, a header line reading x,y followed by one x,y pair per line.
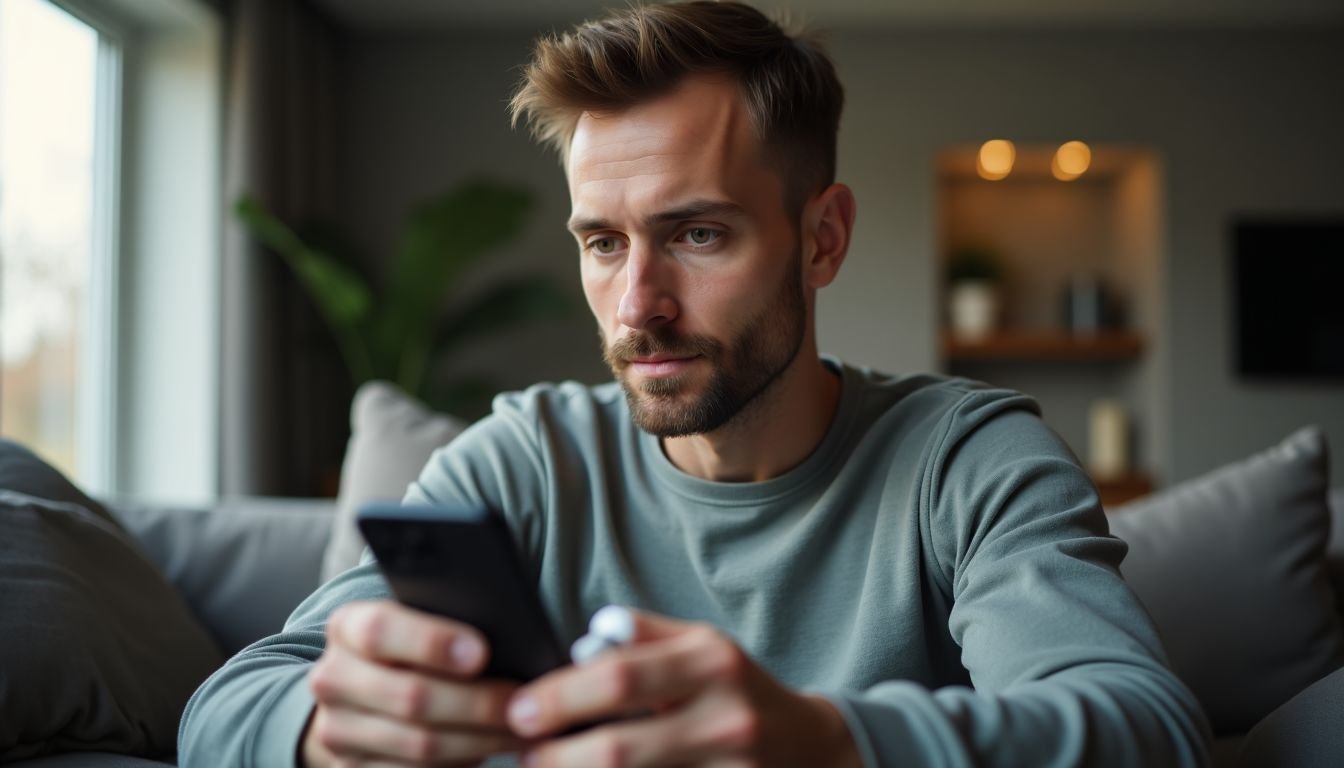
x,y
96,409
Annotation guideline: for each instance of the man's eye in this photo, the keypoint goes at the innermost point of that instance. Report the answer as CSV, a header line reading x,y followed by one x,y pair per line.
x,y
604,245
701,235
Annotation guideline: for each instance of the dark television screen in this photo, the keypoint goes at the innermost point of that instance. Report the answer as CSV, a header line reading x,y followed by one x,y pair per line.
x,y
1288,279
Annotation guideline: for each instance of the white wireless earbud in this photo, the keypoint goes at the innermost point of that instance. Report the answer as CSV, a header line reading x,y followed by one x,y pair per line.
x,y
611,627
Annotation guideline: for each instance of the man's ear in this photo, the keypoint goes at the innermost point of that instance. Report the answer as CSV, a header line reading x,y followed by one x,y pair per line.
x,y
828,222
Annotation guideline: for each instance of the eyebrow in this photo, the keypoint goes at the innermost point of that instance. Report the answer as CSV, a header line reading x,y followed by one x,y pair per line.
x,y
694,209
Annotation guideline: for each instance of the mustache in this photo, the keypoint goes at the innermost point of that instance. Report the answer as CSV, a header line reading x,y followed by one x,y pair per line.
x,y
660,342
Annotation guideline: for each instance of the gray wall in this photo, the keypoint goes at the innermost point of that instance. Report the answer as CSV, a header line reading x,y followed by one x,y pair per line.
x,y
1242,121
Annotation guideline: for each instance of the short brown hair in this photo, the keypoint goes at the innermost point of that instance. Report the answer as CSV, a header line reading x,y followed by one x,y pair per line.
x,y
636,54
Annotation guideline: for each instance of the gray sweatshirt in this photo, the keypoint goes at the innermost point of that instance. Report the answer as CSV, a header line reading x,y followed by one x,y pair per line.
x,y
939,567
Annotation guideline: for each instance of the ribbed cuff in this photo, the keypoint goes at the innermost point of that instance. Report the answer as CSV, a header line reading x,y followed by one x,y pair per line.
x,y
277,739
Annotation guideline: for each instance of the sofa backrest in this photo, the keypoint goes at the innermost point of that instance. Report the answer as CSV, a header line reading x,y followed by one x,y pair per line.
x,y
242,565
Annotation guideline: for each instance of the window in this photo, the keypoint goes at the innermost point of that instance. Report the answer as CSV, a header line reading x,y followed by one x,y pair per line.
x,y
58,107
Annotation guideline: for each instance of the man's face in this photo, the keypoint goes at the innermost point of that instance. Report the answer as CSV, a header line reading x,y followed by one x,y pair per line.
x,y
690,261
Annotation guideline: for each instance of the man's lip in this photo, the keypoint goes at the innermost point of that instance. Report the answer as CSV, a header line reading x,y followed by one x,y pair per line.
x,y
659,359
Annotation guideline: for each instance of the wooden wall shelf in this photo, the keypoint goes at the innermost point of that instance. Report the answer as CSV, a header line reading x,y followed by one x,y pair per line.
x,y
1045,346
1118,490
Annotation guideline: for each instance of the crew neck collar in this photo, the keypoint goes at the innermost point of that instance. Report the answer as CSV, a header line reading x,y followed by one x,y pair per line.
x,y
728,494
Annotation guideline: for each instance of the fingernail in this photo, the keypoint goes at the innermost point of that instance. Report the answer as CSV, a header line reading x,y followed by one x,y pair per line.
x,y
523,713
467,652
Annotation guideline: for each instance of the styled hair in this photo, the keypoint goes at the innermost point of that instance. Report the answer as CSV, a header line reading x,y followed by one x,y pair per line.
x,y
640,53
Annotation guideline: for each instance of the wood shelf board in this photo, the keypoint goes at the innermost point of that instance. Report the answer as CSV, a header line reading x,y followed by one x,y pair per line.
x,y
1045,346
1119,490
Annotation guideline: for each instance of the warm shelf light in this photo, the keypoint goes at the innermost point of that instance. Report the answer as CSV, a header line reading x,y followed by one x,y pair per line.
x,y
1071,160
995,160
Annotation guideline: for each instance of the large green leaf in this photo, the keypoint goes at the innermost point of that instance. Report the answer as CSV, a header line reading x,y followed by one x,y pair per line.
x,y
398,336
339,292
443,238
341,295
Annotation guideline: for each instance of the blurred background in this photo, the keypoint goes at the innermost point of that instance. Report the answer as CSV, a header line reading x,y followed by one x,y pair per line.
x,y
218,218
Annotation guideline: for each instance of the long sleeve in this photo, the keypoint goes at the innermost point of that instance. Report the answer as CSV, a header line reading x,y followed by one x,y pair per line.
x,y
1066,666
252,711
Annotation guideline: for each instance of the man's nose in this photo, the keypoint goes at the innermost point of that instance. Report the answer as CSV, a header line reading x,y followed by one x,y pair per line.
x,y
649,300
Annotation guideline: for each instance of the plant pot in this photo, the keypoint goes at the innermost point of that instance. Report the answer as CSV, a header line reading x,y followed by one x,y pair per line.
x,y
973,307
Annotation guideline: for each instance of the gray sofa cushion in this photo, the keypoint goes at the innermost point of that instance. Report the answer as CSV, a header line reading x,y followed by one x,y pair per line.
x,y
243,566
1231,567
98,651
391,437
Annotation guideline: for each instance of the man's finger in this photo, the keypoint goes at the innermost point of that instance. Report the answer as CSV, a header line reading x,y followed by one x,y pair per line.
x,y
716,729
349,733
650,627
626,680
344,679
387,631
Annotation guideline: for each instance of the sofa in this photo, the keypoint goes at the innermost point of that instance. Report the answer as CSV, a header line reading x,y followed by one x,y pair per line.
x,y
1242,570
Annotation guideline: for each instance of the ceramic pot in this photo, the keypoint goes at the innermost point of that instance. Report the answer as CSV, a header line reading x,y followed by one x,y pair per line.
x,y
974,309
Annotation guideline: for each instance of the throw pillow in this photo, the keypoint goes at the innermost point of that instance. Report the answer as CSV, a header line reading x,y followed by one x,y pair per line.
x,y
1231,567
97,652
23,471
391,437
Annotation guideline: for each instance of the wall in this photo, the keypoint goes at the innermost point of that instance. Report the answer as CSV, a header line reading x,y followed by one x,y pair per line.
x,y
1242,120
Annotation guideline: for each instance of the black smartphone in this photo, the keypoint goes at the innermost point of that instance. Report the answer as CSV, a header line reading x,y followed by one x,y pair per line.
x,y
461,562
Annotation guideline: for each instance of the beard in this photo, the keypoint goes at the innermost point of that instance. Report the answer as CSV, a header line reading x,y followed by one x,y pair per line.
x,y
742,367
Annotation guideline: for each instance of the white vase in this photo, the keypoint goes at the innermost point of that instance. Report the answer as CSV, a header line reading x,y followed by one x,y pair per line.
x,y
974,308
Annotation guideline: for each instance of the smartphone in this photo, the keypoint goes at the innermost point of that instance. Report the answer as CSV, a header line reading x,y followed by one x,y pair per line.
x,y
461,562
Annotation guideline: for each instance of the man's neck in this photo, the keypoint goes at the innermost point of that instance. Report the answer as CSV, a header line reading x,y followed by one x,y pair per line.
x,y
775,432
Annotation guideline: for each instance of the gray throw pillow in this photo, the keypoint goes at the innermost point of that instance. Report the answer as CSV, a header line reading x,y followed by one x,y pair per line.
x,y
391,437
1231,566
24,471
97,652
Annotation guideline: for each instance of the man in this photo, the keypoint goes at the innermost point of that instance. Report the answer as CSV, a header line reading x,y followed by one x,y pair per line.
x,y
830,566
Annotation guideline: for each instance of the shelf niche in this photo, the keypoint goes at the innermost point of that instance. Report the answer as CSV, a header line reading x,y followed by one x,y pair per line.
x,y
1043,233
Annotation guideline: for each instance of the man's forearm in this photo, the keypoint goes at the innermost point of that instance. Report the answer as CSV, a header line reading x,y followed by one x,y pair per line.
x,y
1128,718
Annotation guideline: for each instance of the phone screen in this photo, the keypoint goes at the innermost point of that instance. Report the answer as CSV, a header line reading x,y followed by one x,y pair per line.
x,y
461,562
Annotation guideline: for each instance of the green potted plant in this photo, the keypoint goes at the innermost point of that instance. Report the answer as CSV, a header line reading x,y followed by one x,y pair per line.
x,y
407,332
973,277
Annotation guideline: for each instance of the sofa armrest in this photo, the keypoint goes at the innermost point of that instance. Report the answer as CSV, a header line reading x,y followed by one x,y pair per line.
x,y
242,565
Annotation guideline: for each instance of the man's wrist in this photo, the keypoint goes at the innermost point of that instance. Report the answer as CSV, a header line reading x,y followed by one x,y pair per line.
x,y
836,745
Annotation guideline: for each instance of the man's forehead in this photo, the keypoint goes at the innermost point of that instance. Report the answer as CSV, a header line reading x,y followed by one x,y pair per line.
x,y
701,116
600,155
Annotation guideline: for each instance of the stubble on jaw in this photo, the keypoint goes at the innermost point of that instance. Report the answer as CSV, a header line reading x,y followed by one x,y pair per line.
x,y
740,373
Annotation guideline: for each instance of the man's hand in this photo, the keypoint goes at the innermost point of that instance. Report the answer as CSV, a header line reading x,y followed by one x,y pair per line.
x,y
698,700
398,687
